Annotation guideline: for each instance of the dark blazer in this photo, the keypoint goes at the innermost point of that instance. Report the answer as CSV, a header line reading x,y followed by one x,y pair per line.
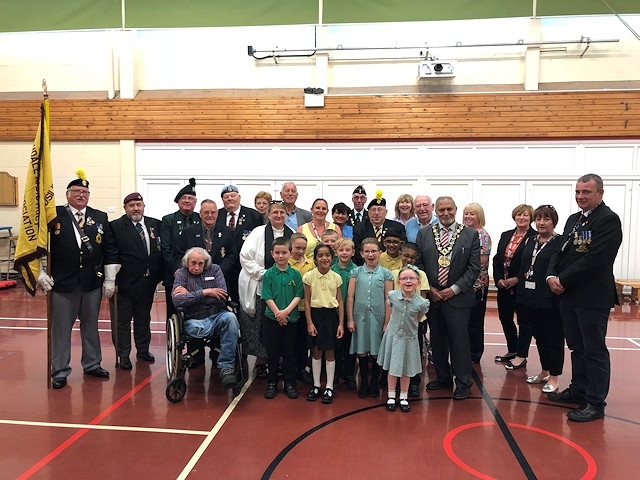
x,y
365,229
170,230
498,259
464,267
352,217
247,220
223,246
587,273
132,254
71,264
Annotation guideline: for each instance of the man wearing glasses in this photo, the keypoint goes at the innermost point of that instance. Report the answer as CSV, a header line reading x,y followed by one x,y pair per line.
x,y
83,264
450,256
358,213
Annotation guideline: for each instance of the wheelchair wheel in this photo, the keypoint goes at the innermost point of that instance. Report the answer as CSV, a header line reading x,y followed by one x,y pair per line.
x,y
176,389
174,348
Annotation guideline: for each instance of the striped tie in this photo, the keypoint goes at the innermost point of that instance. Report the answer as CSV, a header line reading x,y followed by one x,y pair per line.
x,y
80,218
232,221
443,272
379,234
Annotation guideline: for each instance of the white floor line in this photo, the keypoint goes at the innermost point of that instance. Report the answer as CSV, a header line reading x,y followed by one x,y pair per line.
x,y
214,431
118,428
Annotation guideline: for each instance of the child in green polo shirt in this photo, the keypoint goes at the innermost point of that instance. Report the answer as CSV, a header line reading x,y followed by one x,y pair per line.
x,y
282,290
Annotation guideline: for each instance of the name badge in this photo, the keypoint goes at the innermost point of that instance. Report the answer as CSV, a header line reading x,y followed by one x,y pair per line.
x,y
209,279
530,285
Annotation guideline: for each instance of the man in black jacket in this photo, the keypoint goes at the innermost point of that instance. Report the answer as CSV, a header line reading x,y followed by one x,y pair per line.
x,y
137,239
581,272
83,264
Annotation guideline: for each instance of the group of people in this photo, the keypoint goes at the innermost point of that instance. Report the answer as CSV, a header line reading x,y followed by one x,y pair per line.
x,y
318,296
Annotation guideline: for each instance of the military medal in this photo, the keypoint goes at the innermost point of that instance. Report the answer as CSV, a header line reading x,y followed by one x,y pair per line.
x,y
223,252
98,239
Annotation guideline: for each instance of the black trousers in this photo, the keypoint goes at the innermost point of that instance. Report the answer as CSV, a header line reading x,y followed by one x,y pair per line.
x,y
280,341
546,325
135,304
476,325
586,331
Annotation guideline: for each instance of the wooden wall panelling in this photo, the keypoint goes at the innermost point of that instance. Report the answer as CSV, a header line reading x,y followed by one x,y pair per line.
x,y
596,114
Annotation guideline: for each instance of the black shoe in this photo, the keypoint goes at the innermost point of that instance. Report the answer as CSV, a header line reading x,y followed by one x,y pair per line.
x,y
314,394
512,366
271,391
98,372
414,390
404,406
585,414
391,404
505,358
291,392
374,390
437,384
147,357
125,363
460,393
565,396
327,396
58,382
305,377
228,378
351,383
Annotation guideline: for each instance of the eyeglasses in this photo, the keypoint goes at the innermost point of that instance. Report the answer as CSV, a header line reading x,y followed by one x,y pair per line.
x,y
392,242
370,252
276,202
408,279
550,207
78,191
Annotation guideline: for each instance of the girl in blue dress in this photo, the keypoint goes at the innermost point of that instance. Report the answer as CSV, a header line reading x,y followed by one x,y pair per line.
x,y
399,352
369,286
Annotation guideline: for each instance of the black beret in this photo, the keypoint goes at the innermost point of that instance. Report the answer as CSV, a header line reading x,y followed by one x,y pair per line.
x,y
187,190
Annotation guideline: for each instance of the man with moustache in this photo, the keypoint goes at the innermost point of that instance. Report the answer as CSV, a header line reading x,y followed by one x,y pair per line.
x,y
242,220
83,262
376,225
296,216
137,240
170,230
450,256
215,238
424,217
581,272
358,213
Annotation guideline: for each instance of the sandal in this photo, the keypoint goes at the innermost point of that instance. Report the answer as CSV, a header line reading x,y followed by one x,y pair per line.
x,y
391,404
404,406
327,396
261,371
314,394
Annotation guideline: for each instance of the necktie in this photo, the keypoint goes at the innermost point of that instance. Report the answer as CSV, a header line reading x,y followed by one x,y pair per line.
x,y
443,272
80,218
141,233
207,242
379,234
232,221
358,217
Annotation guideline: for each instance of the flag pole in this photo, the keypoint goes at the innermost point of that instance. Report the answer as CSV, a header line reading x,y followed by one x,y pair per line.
x,y
45,93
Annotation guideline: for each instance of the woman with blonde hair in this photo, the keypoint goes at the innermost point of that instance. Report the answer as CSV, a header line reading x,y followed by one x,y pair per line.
x,y
262,201
404,209
473,216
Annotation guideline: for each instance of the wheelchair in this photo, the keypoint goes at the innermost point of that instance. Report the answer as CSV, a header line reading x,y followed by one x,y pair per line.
x,y
179,356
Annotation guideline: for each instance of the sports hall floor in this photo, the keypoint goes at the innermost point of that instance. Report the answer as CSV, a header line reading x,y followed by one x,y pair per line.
x,y
124,428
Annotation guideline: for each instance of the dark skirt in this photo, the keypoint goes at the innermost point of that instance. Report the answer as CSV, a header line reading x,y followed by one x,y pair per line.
x,y
326,322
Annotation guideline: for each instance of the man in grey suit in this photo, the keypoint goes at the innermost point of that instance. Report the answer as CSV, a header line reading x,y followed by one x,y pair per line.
x,y
450,256
295,216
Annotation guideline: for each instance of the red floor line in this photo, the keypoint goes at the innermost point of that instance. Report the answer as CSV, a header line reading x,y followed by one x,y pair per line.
x,y
70,441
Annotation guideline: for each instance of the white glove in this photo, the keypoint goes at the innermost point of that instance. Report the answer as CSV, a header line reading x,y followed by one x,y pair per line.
x,y
109,285
45,281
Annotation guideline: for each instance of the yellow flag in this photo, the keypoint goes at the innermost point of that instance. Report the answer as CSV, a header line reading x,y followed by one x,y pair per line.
x,y
38,206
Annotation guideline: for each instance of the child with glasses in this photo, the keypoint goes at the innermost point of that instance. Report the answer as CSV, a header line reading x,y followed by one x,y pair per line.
x,y
369,286
399,351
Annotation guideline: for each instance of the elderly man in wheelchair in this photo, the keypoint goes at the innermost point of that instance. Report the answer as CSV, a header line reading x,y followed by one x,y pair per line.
x,y
200,291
